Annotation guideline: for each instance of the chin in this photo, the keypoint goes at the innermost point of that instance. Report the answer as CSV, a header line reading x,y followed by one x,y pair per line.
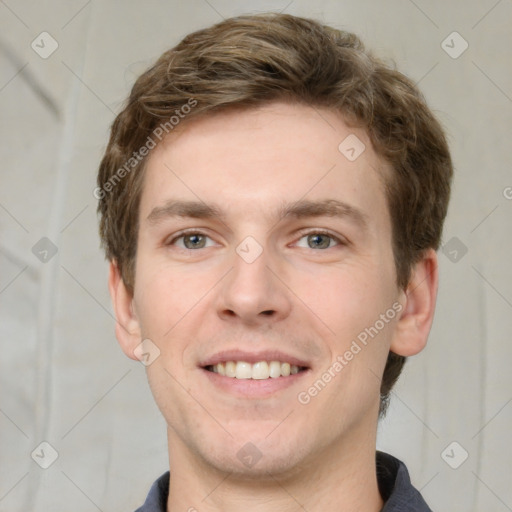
x,y
264,460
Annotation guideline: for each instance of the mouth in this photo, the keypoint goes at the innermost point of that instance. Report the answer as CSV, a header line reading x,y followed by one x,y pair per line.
x,y
260,370
248,374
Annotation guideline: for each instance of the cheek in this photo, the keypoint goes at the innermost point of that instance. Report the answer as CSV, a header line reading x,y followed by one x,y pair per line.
x,y
162,298
357,306
344,299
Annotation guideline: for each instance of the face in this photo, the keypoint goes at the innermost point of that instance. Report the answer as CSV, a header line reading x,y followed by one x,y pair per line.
x,y
265,279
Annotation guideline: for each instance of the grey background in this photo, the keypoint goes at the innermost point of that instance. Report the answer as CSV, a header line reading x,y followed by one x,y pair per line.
x,y
64,379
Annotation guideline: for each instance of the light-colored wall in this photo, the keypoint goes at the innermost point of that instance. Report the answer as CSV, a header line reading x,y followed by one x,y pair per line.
x,y
63,377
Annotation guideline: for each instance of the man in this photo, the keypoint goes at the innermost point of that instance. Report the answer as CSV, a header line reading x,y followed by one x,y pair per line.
x,y
271,200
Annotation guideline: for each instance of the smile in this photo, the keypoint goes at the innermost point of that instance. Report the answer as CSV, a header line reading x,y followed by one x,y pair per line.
x,y
260,370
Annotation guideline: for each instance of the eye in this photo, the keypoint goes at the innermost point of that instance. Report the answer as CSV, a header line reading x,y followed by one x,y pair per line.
x,y
191,240
319,240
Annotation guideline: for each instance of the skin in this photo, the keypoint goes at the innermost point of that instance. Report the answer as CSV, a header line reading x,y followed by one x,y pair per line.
x,y
306,301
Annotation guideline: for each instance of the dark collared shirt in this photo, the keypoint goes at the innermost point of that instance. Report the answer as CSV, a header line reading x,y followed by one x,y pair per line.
x,y
393,478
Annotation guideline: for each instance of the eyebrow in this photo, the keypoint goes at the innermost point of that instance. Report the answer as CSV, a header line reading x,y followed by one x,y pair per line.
x,y
324,208
299,210
178,208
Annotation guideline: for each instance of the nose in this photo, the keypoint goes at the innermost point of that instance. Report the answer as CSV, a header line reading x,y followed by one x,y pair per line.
x,y
253,292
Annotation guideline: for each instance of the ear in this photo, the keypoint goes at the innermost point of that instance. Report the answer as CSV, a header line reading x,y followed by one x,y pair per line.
x,y
128,331
414,324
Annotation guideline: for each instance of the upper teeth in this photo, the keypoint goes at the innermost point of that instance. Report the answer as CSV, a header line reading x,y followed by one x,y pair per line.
x,y
259,370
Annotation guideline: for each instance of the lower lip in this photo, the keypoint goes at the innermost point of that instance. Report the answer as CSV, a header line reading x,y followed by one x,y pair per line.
x,y
253,388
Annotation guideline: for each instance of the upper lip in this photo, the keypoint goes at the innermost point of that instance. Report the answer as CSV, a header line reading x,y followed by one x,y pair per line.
x,y
252,357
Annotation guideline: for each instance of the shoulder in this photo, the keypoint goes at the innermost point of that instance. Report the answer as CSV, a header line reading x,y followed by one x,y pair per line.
x,y
156,500
396,488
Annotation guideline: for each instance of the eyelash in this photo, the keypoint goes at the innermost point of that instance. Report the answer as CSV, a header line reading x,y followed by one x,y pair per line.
x,y
301,234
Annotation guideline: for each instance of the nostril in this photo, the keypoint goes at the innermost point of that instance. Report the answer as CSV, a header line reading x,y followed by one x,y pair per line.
x,y
268,312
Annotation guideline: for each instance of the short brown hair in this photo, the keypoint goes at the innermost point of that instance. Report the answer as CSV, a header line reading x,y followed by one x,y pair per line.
x,y
250,60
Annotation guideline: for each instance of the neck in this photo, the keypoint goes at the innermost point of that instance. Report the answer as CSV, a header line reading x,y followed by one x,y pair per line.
x,y
340,477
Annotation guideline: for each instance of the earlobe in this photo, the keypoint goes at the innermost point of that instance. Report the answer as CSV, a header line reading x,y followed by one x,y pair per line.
x,y
414,325
128,331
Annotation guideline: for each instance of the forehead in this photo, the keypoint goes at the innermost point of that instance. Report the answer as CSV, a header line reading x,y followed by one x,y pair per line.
x,y
254,161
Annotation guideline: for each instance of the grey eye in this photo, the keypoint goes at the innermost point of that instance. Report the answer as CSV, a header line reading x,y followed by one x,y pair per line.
x,y
194,241
319,241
